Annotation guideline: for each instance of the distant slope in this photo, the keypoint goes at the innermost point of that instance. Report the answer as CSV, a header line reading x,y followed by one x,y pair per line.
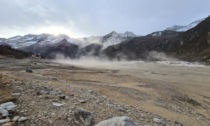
x,y
194,44
8,51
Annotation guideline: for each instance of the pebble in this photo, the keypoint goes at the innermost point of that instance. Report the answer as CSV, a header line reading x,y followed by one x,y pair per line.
x,y
22,119
82,101
16,94
157,120
57,104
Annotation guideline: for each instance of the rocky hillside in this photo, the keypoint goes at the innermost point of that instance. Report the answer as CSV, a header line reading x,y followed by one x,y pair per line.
x,y
140,47
193,44
6,50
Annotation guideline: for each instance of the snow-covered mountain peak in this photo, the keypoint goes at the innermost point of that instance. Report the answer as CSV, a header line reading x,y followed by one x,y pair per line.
x,y
129,34
182,28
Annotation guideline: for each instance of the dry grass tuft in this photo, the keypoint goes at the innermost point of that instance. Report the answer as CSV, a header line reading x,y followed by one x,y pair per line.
x,y
5,92
1,78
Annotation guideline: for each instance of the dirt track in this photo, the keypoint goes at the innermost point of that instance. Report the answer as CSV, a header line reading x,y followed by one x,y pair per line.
x,y
177,93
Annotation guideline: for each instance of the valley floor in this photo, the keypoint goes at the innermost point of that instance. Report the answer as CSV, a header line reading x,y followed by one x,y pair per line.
x,y
142,91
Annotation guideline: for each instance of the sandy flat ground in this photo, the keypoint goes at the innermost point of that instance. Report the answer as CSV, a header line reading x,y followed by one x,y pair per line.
x,y
175,92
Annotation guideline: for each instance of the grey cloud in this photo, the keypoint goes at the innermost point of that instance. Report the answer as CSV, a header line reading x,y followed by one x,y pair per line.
x,y
98,17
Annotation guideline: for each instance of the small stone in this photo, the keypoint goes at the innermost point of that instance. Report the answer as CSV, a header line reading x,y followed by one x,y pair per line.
x,y
15,119
157,120
16,94
29,70
57,104
53,115
22,119
82,101
67,97
62,97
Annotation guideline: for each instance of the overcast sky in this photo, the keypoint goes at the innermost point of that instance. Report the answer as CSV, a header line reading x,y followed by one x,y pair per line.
x,y
79,18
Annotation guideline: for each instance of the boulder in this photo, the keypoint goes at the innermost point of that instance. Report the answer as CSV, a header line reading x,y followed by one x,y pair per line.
x,y
9,106
117,121
29,70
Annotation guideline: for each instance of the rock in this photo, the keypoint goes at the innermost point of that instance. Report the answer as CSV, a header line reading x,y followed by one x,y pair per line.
x,y
22,119
15,119
87,117
4,113
16,94
3,121
67,97
42,92
157,120
62,96
9,106
29,70
117,121
82,101
57,104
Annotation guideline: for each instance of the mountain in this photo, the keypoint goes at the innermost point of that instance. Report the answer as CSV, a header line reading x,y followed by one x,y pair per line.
x,y
42,39
140,47
182,28
51,50
191,45
48,45
112,38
